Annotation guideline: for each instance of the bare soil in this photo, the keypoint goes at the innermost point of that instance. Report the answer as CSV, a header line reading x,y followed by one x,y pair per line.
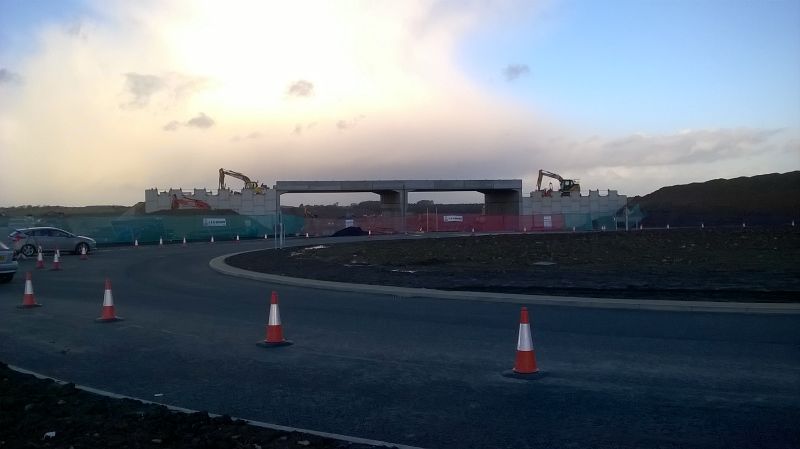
x,y
38,413
722,264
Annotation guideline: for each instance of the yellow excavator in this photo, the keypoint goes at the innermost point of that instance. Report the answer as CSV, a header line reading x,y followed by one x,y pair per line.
x,y
248,184
566,186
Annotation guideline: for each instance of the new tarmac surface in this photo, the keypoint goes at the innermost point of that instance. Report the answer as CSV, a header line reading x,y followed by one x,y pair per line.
x,y
417,371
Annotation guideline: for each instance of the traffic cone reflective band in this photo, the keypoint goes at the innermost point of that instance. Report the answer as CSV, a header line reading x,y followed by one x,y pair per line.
x,y
28,301
83,253
39,259
108,315
274,330
526,359
56,261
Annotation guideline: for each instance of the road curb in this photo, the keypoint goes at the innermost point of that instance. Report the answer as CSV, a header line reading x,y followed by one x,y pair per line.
x,y
335,436
218,264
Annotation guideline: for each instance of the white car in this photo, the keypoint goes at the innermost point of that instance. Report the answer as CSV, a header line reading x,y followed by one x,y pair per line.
x,y
8,266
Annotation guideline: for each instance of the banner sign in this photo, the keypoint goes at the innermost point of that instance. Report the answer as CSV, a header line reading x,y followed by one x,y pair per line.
x,y
448,218
214,222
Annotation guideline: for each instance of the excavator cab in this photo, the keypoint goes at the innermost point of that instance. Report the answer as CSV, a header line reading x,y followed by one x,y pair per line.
x,y
568,186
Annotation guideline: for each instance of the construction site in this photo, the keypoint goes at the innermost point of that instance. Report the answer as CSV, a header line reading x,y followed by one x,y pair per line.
x,y
505,208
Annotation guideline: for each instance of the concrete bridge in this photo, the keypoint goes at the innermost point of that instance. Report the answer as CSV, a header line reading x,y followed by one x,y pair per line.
x,y
501,196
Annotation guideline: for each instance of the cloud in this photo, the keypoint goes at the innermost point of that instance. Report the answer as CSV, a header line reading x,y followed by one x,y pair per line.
x,y
201,121
514,71
342,125
7,76
300,88
142,87
175,87
704,146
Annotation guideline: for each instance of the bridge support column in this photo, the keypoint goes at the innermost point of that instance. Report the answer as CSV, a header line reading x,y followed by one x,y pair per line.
x,y
502,202
394,204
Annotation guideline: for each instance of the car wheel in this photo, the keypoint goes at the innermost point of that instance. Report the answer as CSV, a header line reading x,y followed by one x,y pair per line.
x,y
6,277
80,248
28,250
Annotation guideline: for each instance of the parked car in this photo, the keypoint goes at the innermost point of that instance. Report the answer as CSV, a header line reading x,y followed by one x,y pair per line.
x,y
8,266
26,241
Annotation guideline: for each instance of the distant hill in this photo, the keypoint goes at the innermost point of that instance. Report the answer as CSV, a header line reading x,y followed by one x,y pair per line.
x,y
762,199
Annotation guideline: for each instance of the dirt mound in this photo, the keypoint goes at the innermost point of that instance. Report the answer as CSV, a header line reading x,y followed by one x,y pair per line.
x,y
764,200
44,414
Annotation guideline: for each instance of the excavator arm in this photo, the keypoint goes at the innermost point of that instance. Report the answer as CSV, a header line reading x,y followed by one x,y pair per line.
x,y
549,175
248,184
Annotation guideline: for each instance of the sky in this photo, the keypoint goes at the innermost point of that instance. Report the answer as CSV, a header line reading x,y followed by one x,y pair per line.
x,y
102,99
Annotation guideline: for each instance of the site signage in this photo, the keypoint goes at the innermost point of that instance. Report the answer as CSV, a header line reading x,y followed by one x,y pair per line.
x,y
217,222
450,218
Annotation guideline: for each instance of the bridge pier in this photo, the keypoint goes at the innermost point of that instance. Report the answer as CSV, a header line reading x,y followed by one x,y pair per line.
x,y
502,202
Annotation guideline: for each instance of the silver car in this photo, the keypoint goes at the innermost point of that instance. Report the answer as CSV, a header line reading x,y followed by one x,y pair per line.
x,y
8,266
28,240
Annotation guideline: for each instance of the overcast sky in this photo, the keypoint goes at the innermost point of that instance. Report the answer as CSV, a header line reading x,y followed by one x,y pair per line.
x,y
102,99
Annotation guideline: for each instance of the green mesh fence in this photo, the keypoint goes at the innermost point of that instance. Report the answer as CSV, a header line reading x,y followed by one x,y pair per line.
x,y
150,228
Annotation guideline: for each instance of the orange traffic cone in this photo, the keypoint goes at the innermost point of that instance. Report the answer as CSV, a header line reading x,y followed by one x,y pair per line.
x,y
274,330
28,301
160,241
39,259
212,239
237,238
184,241
108,314
83,253
525,363
56,261
136,243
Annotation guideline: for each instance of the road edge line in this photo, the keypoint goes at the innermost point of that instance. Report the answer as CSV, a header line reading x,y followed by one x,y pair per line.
x,y
175,408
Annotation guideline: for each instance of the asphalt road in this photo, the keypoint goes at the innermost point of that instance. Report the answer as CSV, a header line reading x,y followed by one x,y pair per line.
x,y
417,371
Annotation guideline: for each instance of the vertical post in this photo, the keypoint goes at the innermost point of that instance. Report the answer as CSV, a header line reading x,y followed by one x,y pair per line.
x,y
404,206
427,227
626,213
